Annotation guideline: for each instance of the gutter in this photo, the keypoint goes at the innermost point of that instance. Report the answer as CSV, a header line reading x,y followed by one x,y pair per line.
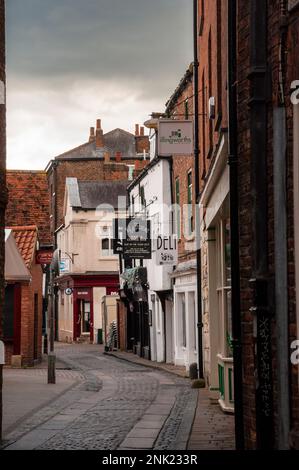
x,y
197,192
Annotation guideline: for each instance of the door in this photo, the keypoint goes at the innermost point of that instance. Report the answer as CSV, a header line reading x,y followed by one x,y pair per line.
x,y
83,324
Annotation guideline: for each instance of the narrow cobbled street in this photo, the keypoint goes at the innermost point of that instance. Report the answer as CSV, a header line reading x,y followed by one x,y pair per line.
x,y
112,404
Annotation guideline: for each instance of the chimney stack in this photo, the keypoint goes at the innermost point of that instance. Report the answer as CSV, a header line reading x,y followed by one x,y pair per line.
x,y
92,135
99,135
118,157
142,131
137,130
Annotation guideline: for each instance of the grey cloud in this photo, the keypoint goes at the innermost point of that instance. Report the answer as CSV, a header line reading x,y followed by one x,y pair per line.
x,y
108,39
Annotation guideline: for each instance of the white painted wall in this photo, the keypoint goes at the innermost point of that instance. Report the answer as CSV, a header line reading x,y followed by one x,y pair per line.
x,y
157,192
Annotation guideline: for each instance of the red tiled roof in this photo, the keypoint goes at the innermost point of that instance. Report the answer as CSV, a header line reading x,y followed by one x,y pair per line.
x,y
29,201
26,239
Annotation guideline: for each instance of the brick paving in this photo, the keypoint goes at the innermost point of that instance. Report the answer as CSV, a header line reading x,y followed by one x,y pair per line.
x,y
116,405
212,429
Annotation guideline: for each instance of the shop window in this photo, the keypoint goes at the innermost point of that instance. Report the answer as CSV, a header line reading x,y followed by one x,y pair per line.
x,y
224,286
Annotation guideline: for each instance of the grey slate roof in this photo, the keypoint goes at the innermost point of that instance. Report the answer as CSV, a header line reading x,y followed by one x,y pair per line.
x,y
90,194
117,140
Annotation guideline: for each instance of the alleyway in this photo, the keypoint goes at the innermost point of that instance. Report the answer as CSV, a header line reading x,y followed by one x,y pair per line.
x,y
105,403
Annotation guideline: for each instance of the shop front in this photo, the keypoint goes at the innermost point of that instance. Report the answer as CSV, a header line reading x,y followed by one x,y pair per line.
x,y
81,313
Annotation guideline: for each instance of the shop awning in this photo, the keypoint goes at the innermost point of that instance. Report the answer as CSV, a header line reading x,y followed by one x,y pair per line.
x,y
15,267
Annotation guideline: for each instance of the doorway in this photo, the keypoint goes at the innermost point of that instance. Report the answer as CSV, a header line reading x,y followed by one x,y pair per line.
x,y
83,320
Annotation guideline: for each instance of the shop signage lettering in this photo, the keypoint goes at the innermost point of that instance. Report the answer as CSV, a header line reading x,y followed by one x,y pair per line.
x,y
175,137
167,250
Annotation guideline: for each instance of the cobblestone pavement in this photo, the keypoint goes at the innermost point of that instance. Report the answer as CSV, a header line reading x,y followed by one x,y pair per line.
x,y
115,405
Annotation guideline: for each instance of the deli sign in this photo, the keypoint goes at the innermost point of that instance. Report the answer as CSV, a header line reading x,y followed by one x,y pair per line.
x,y
175,137
167,250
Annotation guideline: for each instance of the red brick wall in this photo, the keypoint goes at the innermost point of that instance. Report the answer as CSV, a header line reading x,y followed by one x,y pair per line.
x,y
28,202
246,214
212,73
2,159
27,317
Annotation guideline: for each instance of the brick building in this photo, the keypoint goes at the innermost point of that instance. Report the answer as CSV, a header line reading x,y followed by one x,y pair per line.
x,y
180,106
28,202
214,202
22,317
268,151
3,197
115,155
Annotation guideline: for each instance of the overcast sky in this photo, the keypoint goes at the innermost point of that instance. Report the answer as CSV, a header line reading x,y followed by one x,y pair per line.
x,y
70,62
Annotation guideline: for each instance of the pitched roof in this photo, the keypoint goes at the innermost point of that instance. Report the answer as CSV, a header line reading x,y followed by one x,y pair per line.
x,y
29,201
90,194
117,140
26,240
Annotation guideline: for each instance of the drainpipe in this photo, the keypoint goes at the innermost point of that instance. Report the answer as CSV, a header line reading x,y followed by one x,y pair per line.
x,y
197,190
262,286
234,223
281,252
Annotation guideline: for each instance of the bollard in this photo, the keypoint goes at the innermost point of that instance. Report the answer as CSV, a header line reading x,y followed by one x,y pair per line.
x,y
51,368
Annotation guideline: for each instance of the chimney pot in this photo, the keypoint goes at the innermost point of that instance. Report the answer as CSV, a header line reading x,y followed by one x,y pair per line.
x,y
91,135
142,131
106,157
99,137
118,156
137,129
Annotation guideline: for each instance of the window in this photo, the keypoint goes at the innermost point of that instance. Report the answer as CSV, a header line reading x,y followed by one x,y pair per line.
x,y
142,197
187,109
106,241
190,201
131,169
224,286
201,10
178,208
184,333
133,205
107,247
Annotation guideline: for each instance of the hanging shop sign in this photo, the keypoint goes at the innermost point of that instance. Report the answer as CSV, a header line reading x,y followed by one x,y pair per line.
x,y
167,250
175,137
64,265
135,249
132,238
44,257
68,291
